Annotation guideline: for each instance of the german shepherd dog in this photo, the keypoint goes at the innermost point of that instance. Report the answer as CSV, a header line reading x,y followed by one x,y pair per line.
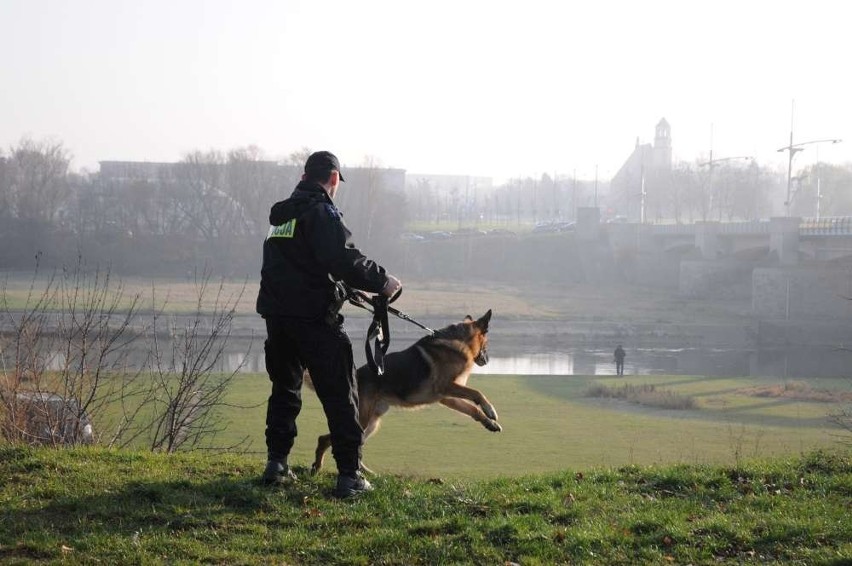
x,y
432,370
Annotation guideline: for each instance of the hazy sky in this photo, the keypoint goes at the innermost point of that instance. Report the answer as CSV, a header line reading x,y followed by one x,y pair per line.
x,y
495,88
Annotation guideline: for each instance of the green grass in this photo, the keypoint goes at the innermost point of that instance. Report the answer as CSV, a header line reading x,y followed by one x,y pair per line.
x,y
550,424
88,506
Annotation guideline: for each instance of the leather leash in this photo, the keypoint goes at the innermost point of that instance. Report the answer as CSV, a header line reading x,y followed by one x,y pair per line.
x,y
379,330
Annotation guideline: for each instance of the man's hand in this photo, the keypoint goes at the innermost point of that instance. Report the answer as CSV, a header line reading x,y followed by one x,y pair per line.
x,y
392,287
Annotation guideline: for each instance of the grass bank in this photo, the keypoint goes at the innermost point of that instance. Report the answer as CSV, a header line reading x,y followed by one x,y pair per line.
x,y
89,506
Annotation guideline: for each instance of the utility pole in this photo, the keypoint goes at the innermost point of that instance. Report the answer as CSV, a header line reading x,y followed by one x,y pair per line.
x,y
642,192
819,189
596,186
712,164
574,197
791,150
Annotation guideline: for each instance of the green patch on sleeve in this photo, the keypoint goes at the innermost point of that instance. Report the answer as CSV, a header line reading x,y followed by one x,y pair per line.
x,y
285,230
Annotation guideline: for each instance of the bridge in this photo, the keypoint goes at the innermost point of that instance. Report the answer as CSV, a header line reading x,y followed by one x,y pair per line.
x,y
790,267
792,239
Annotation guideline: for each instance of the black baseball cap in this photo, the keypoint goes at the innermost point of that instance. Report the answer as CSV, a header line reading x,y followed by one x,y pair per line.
x,y
322,162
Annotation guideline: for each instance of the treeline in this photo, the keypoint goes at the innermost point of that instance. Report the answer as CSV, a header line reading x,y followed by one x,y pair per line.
x,y
208,210
732,191
690,192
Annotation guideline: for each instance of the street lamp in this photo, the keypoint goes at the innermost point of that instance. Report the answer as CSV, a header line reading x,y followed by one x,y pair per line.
x,y
792,149
711,164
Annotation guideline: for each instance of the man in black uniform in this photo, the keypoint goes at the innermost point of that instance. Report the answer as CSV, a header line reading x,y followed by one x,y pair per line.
x,y
306,252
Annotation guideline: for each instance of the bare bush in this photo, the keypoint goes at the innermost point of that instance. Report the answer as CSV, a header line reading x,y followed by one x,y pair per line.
x,y
798,391
68,377
187,387
62,350
645,394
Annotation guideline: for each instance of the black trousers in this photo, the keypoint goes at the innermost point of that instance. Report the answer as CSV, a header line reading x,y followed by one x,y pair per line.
x,y
326,351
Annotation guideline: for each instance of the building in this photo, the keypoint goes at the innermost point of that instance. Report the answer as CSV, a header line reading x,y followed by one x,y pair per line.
x,y
636,188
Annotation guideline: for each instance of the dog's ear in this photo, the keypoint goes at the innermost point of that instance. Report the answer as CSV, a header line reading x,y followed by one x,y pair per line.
x,y
468,318
483,322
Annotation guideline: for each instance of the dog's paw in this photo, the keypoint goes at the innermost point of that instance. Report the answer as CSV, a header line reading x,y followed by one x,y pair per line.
x,y
314,469
493,426
490,412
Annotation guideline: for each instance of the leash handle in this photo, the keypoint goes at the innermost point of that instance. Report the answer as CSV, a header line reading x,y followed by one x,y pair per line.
x,y
379,330
395,296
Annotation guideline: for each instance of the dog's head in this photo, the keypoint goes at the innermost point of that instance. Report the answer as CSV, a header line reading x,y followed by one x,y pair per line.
x,y
473,333
479,336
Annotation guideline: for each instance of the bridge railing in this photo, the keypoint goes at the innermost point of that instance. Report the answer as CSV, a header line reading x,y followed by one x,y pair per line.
x,y
830,226
827,226
750,227
673,229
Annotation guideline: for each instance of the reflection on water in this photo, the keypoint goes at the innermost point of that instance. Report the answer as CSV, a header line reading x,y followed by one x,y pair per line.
x,y
525,360
534,359
811,362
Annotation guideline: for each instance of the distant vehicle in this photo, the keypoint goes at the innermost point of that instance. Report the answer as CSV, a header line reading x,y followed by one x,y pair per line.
x,y
468,232
411,237
565,226
500,232
545,228
617,220
48,418
438,235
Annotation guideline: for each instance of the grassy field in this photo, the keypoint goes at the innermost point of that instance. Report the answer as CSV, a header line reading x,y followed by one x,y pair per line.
x,y
92,506
549,424
571,479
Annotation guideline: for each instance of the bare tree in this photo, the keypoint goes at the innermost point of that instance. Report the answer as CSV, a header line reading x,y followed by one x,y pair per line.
x,y
252,182
298,157
199,180
38,189
5,186
827,184
188,389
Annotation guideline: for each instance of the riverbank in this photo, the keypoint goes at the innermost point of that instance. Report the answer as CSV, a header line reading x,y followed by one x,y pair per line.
x,y
576,314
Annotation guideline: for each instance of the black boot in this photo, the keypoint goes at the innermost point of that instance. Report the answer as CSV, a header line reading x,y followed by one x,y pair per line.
x,y
351,484
277,472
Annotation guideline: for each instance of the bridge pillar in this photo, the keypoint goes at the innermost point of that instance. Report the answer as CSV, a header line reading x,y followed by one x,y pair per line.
x,y
784,238
707,239
588,223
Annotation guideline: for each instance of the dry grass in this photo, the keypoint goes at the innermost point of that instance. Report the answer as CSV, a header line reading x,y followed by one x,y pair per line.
x,y
644,394
446,299
798,391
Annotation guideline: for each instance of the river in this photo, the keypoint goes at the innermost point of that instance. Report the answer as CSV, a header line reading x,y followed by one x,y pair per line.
x,y
543,354
528,359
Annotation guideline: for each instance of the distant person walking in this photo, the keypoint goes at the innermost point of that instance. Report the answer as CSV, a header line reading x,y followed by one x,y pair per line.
x,y
618,358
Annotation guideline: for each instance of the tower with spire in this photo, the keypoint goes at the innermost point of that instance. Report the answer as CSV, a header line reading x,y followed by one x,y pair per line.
x,y
637,185
662,146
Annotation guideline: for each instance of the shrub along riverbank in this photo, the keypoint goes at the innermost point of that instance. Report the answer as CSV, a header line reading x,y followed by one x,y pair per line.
x,y
120,507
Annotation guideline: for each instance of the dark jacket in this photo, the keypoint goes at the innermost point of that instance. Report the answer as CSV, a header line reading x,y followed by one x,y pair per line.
x,y
307,250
